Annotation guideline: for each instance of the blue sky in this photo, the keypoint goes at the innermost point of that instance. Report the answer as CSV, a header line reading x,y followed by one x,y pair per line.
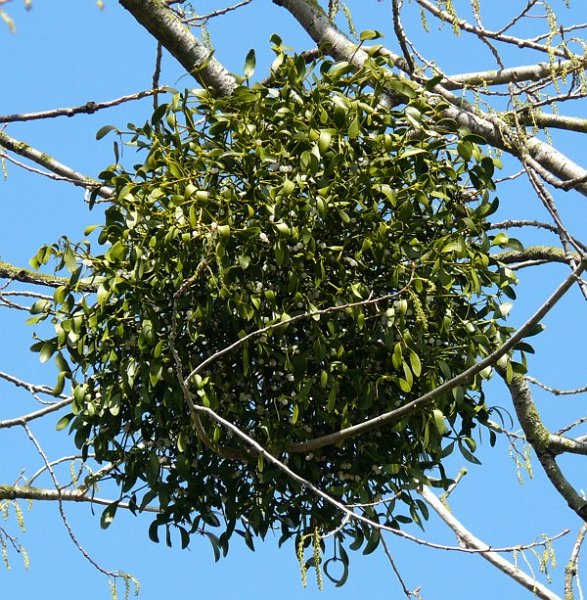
x,y
67,52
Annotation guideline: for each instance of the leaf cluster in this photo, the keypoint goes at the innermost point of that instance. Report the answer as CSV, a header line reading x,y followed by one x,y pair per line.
x,y
303,198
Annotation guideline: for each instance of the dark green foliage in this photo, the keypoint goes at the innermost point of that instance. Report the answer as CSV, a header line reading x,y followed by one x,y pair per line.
x,y
284,199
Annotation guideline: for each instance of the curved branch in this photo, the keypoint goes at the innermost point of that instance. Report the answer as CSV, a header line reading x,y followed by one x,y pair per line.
x,y
541,441
343,508
464,377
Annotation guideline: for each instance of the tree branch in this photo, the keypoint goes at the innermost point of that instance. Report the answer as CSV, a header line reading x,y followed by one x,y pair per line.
x,y
470,541
572,568
43,159
541,119
25,492
540,439
535,72
34,415
424,400
542,253
88,108
481,33
166,27
8,271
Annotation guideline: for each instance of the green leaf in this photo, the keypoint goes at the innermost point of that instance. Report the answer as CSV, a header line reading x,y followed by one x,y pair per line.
x,y
64,421
295,414
354,128
433,82
467,455
105,130
373,542
154,531
439,421
108,515
370,34
56,391
250,62
415,363
46,352
534,330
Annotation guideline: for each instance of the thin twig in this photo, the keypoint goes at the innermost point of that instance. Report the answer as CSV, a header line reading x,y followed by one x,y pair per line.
x,y
88,108
556,391
395,569
68,528
6,423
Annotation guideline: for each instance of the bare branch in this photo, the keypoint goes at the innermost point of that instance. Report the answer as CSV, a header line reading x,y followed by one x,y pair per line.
x,y
572,568
536,72
396,6
25,492
481,32
43,159
29,387
216,13
88,108
556,391
72,536
540,439
466,538
8,271
541,119
541,253
405,588
34,415
166,27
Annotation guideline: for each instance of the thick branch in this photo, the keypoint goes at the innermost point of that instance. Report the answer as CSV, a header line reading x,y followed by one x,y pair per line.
x,y
541,119
514,74
25,492
166,27
8,271
540,439
543,253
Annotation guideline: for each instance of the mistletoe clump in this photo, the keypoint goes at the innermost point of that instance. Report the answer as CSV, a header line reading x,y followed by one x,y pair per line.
x,y
298,259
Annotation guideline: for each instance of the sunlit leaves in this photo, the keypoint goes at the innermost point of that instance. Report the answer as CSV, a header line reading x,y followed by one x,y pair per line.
x,y
305,200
